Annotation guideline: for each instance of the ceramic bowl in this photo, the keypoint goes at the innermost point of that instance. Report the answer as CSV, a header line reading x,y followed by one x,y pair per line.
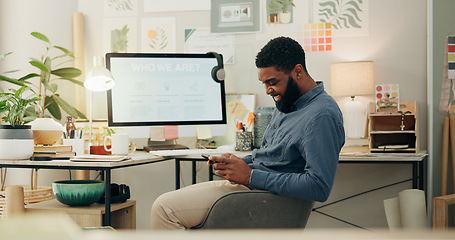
x,y
78,192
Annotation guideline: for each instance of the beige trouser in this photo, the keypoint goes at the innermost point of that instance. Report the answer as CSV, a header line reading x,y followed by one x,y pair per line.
x,y
187,207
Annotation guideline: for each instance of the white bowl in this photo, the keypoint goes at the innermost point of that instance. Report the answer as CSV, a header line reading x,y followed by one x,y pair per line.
x,y
16,149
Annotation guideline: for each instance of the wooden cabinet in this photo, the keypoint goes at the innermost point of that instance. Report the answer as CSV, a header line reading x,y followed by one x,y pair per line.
x,y
123,215
394,132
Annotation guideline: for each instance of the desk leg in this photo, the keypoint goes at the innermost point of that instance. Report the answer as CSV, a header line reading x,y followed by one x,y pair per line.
x,y
415,175
193,172
210,173
107,203
421,175
177,173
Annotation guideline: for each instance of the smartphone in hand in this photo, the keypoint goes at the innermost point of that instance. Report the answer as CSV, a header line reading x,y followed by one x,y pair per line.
x,y
206,156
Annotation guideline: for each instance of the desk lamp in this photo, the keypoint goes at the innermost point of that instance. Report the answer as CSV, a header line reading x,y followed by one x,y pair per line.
x,y
352,79
98,79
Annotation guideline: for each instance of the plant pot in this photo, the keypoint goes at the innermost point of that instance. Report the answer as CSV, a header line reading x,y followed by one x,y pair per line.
x,y
274,18
16,142
46,131
285,17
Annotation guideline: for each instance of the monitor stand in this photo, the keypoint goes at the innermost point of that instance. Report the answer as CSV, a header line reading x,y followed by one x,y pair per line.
x,y
166,145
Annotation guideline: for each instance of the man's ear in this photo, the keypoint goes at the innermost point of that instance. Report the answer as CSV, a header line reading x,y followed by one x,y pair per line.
x,y
298,71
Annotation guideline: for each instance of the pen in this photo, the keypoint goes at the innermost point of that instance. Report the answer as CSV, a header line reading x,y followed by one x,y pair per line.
x,y
72,133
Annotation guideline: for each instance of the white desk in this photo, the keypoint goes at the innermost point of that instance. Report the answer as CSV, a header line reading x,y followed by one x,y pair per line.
x,y
139,158
416,160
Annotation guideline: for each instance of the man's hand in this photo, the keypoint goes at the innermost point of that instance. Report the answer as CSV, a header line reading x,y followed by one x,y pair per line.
x,y
231,168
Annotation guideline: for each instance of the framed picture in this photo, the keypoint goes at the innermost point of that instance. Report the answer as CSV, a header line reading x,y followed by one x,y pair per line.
x,y
235,16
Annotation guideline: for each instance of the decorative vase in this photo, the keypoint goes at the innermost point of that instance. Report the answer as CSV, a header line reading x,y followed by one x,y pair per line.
x,y
46,131
262,118
285,17
16,142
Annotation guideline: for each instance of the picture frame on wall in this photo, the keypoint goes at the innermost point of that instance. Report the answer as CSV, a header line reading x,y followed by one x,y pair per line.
x,y
235,16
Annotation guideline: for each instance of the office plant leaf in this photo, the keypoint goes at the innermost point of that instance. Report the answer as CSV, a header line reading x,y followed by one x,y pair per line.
x,y
50,71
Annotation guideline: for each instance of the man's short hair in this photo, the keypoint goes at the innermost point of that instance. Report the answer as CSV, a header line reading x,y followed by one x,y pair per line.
x,y
283,53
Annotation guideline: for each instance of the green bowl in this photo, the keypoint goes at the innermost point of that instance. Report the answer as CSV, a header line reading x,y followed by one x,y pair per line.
x,y
78,192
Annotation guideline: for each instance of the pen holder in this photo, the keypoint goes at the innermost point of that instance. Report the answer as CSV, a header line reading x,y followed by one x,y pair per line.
x,y
243,141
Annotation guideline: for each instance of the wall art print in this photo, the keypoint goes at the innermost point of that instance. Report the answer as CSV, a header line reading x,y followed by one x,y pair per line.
x,y
347,17
116,8
158,35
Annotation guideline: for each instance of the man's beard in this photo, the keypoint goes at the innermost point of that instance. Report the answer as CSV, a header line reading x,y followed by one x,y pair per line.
x,y
291,94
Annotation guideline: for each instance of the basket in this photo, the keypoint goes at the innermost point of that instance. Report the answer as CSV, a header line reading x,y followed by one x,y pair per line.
x,y
43,193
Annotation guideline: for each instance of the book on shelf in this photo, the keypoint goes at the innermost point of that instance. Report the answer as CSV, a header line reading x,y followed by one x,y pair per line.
x,y
53,148
54,155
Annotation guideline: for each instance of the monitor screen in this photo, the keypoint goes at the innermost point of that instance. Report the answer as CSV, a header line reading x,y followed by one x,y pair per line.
x,y
164,89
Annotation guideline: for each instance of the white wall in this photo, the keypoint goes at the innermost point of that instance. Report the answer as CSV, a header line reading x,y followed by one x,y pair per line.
x,y
17,20
396,43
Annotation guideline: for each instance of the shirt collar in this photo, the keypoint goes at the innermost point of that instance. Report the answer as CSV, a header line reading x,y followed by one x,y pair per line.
x,y
303,100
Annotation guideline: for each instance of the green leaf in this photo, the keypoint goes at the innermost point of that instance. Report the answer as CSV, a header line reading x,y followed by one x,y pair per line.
x,y
80,83
53,107
11,80
48,63
66,51
3,56
39,65
40,36
52,87
80,114
65,106
68,72
28,76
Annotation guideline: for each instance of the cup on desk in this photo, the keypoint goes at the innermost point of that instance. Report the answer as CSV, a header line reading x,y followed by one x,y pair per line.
x,y
120,144
243,141
76,143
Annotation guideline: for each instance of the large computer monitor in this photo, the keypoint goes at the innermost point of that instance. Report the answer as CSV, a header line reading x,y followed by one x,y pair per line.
x,y
158,89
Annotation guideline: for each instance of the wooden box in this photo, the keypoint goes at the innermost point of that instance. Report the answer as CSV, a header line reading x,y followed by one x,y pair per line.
x,y
393,132
123,215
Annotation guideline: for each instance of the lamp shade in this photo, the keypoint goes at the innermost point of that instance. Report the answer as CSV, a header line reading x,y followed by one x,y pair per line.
x,y
352,79
99,79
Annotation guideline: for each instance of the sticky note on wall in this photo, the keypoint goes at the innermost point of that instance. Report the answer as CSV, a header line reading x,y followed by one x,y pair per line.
x,y
157,133
171,132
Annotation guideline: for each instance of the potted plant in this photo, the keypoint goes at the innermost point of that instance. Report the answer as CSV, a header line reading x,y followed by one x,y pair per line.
x,y
49,72
285,14
273,9
16,139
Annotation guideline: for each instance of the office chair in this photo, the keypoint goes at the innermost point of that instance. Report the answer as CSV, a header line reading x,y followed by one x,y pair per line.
x,y
257,209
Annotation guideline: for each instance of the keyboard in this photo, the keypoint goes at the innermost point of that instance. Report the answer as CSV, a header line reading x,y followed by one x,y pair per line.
x,y
183,152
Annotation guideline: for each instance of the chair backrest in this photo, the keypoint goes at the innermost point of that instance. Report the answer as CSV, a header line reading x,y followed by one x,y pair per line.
x,y
257,209
441,211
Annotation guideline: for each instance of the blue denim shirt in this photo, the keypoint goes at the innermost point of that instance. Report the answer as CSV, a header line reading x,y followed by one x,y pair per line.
x,y
300,150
